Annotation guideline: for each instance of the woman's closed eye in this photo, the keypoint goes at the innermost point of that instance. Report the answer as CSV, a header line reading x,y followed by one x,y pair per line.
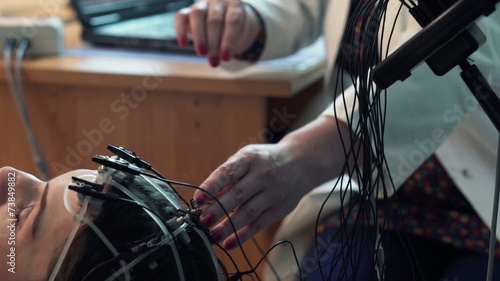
x,y
22,213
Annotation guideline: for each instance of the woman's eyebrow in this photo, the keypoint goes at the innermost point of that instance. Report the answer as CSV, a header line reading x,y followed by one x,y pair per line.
x,y
43,204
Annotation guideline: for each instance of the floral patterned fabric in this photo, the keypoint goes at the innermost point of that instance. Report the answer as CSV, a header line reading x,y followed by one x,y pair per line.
x,y
429,205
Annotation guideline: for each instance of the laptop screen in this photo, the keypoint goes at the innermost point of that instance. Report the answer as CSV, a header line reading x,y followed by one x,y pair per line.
x,y
126,9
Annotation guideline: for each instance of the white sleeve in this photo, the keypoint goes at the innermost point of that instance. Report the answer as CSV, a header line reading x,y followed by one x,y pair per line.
x,y
290,24
421,110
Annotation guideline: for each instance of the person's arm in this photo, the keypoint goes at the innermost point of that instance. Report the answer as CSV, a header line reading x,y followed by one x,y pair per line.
x,y
263,183
222,30
290,24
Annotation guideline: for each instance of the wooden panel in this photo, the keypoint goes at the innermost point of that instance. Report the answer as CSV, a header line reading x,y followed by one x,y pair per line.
x,y
186,135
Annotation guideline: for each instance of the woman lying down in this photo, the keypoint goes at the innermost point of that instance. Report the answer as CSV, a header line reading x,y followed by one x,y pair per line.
x,y
116,223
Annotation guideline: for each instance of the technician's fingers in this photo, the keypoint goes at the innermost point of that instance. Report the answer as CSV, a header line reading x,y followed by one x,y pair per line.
x,y
182,26
215,27
254,207
244,215
226,174
232,198
231,240
234,26
197,25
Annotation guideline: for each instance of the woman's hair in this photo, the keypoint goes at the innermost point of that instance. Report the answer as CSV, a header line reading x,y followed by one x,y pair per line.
x,y
132,231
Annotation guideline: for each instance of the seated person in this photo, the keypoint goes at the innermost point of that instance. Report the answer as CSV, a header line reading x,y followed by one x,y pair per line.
x,y
428,146
117,226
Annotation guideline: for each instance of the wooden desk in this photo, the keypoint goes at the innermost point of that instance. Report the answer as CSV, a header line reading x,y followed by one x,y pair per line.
x,y
183,116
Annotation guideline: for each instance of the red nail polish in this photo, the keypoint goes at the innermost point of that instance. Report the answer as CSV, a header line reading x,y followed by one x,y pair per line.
x,y
214,61
225,55
201,199
183,41
216,236
230,244
202,49
207,219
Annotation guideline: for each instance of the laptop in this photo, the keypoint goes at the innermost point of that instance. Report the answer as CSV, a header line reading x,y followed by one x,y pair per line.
x,y
139,24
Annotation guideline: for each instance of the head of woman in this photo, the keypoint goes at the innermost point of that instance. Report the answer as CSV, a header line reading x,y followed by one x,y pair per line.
x,y
138,231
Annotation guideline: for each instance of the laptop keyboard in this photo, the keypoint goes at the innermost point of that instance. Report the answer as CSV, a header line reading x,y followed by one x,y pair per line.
x,y
155,26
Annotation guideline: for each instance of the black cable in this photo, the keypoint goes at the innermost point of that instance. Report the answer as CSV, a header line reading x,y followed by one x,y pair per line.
x,y
261,252
367,130
239,275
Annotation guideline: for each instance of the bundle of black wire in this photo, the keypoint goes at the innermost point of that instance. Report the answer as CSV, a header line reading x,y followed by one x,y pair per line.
x,y
368,130
367,139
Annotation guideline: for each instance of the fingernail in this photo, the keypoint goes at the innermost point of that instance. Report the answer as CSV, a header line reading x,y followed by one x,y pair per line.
x,y
216,235
201,199
225,55
202,50
230,244
214,61
207,219
183,41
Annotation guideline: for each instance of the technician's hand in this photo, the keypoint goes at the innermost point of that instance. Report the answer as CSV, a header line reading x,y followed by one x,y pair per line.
x,y
220,29
262,183
258,185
